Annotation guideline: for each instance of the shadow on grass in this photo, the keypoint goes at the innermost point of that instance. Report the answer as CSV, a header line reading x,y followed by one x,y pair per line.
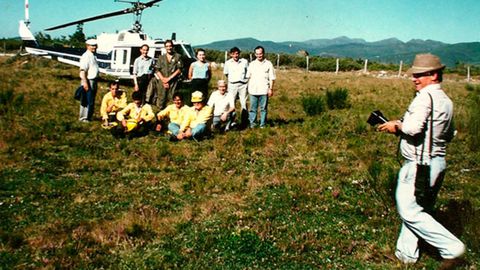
x,y
461,219
284,122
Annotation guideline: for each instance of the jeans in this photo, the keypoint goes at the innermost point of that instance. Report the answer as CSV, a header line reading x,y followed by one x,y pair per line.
x,y
87,102
258,101
174,128
199,131
416,221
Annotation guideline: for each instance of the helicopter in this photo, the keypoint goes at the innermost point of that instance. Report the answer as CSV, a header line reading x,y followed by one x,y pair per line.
x,y
116,52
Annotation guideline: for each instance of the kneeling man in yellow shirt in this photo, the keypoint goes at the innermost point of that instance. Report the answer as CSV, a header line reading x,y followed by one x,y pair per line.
x,y
196,123
136,119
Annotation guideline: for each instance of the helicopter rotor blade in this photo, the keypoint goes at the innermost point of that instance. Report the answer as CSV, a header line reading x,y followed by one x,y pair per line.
x,y
116,13
136,8
151,3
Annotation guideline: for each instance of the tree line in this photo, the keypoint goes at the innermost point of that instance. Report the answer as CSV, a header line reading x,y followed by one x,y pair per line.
x,y
316,63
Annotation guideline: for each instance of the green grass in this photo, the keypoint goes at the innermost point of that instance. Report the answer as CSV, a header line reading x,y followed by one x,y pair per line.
x,y
311,191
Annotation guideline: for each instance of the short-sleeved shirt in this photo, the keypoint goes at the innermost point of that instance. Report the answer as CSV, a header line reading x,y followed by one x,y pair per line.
x,y
88,63
175,114
236,70
221,103
142,66
260,75
168,68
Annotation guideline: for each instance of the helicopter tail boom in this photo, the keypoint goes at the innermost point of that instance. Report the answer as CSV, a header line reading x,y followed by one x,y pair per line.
x,y
26,35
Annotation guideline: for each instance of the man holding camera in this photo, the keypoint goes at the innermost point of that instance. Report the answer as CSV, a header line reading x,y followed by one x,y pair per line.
x,y
425,129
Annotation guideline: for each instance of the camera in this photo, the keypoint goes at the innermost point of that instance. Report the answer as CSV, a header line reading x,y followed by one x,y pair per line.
x,y
376,117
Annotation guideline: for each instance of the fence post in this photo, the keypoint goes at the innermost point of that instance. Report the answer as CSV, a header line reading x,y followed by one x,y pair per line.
x,y
400,69
251,57
365,66
308,62
278,60
468,74
337,66
226,56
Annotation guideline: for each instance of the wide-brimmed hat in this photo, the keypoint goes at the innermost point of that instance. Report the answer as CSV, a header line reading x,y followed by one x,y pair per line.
x,y
425,62
197,96
91,42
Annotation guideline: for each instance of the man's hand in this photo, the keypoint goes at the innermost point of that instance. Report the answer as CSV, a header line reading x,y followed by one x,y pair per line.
x,y
270,92
224,116
110,108
85,85
390,127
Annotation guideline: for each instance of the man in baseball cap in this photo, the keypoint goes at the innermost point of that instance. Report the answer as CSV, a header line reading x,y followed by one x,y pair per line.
x,y
425,129
196,123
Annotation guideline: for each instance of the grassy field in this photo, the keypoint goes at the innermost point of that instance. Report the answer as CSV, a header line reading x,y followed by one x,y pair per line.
x,y
308,192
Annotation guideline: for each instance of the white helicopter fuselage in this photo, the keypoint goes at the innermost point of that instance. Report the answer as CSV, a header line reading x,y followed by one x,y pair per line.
x,y
116,52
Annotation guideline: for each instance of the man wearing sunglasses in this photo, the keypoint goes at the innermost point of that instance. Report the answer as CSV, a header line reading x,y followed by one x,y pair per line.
x,y
425,129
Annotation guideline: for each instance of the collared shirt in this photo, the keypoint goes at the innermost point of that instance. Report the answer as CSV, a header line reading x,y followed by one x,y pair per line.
x,y
195,117
176,115
142,66
132,111
88,63
167,68
415,137
260,77
118,104
221,103
236,71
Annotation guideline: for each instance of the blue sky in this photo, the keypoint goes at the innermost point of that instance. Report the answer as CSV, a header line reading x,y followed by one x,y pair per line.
x,y
204,21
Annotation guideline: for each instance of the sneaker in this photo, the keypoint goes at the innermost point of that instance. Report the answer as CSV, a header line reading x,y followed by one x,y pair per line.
x,y
172,138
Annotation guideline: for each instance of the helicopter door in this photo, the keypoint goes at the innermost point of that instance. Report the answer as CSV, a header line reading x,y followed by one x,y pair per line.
x,y
135,53
121,60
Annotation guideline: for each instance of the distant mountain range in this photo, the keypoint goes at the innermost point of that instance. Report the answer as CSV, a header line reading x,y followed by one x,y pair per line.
x,y
387,51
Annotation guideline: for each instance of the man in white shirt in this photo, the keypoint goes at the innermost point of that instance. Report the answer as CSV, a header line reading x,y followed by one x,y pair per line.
x,y
235,70
425,129
88,75
142,71
223,104
261,78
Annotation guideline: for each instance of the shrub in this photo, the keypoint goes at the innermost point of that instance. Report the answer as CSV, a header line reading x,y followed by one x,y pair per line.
x,y
10,102
337,99
474,120
313,105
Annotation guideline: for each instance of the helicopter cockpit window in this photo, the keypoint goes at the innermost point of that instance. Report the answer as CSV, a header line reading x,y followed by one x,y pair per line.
x,y
189,49
178,49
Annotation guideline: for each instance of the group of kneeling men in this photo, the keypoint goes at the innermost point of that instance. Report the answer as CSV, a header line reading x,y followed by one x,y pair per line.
x,y
177,119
